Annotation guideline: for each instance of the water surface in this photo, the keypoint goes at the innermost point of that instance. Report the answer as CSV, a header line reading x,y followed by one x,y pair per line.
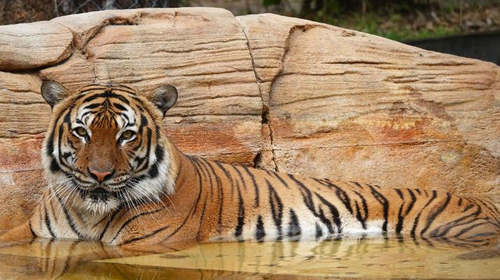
x,y
387,257
381,258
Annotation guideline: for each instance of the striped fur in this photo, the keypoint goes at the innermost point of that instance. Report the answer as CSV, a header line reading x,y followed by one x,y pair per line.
x,y
156,194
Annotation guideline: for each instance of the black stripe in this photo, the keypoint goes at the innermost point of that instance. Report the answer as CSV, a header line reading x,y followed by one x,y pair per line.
x,y
469,206
144,123
362,219
255,186
47,221
127,89
198,236
436,213
492,208
203,167
412,202
49,145
53,211
400,193
159,153
399,225
341,195
54,166
153,171
276,208
319,232
124,224
334,213
70,221
220,198
50,141
105,229
464,220
259,230
417,219
465,230
120,107
106,94
240,175
357,184
323,182
59,141
401,216
385,204
148,151
228,176
31,228
144,236
92,88
238,231
92,106
309,202
278,176
294,226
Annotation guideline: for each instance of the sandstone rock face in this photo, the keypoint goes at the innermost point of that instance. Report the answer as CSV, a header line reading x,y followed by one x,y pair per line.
x,y
352,106
32,45
276,92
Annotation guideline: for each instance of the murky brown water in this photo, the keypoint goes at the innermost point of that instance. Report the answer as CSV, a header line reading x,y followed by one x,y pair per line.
x,y
380,258
388,258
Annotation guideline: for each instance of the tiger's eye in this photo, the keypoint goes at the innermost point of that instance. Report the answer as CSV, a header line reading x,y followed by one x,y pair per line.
x,y
127,135
81,131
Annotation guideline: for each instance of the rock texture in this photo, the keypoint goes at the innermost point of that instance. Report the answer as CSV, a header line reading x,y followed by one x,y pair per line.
x,y
32,45
352,106
276,92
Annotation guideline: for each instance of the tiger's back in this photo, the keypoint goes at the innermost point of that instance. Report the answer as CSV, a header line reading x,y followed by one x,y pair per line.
x,y
239,203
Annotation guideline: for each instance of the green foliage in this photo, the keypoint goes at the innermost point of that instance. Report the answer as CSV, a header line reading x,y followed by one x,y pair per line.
x,y
395,26
268,3
401,20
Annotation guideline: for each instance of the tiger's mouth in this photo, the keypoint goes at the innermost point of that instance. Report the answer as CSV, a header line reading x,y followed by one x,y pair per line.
x,y
104,197
99,194
100,200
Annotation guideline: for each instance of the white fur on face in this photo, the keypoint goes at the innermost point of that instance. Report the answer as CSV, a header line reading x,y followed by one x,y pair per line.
x,y
147,190
101,207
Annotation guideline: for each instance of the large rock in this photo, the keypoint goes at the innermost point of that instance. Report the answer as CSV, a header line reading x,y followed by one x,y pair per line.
x,y
352,106
276,92
33,45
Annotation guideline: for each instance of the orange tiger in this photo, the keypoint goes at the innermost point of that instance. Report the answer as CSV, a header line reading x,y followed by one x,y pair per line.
x,y
115,177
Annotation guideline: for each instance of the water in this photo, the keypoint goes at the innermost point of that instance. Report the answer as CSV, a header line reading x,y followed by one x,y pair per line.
x,y
380,258
370,258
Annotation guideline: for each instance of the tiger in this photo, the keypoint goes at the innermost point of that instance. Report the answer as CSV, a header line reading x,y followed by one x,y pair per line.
x,y
115,177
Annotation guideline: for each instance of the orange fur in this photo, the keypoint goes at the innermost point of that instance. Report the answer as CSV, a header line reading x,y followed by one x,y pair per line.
x,y
206,201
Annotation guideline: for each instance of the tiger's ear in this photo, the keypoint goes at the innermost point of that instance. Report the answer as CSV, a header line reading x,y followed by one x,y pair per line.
x,y
53,92
164,98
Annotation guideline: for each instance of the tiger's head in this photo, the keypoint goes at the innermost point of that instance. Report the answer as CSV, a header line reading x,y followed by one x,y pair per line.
x,y
104,148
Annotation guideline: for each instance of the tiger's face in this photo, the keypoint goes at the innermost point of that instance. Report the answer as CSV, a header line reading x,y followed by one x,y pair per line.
x,y
104,148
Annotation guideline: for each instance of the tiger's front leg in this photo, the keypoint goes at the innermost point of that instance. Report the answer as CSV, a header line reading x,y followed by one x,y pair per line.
x,y
18,235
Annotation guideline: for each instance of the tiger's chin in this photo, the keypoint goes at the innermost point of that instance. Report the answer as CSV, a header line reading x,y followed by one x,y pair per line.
x,y
100,205
98,201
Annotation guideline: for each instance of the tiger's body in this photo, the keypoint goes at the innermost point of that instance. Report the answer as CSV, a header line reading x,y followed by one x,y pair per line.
x,y
141,190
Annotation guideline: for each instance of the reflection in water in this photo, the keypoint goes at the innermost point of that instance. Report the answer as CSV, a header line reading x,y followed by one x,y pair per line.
x,y
360,258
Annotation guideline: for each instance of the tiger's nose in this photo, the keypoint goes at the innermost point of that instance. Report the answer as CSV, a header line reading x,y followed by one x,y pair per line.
x,y
100,176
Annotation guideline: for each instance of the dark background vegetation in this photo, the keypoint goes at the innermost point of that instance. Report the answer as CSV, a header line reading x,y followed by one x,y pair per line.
x,y
410,21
